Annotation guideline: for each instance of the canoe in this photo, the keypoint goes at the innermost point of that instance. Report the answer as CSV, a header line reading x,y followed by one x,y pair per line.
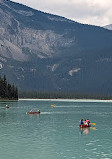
x,y
84,126
33,112
7,106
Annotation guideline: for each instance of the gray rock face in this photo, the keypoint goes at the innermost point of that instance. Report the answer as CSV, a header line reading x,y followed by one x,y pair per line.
x,y
36,41
9,50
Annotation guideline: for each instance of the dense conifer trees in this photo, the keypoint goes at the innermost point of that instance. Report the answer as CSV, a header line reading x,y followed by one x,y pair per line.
x,y
7,91
62,95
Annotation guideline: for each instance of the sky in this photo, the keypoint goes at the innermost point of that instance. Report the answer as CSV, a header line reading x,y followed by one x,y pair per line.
x,y
94,12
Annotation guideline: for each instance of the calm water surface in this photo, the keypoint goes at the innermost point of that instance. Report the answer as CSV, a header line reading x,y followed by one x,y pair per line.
x,y
54,134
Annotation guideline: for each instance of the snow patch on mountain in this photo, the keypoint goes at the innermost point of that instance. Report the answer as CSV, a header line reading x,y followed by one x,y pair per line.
x,y
53,67
74,70
1,66
109,27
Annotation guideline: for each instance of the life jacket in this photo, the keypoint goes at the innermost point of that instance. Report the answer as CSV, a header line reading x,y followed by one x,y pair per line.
x,y
87,121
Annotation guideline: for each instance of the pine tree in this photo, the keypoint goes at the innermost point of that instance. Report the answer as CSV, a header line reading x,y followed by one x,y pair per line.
x,y
7,91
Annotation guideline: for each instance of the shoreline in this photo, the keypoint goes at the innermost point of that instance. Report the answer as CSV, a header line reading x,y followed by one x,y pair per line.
x,y
59,100
67,100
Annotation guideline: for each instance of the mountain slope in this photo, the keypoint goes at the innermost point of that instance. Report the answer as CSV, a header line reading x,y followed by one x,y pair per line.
x,y
40,51
109,27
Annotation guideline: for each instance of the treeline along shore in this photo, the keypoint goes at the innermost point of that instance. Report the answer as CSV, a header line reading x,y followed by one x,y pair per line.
x,y
7,91
62,95
10,92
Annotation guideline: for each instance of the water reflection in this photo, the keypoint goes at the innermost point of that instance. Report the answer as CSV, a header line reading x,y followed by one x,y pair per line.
x,y
31,115
84,130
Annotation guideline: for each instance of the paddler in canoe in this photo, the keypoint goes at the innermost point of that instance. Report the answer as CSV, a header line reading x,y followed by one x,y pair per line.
x,y
81,122
88,122
84,124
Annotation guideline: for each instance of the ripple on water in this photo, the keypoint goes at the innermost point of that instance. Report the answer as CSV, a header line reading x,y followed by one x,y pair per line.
x,y
89,144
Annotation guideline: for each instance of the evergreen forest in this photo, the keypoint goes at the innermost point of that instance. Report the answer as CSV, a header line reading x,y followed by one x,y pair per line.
x,y
61,95
7,90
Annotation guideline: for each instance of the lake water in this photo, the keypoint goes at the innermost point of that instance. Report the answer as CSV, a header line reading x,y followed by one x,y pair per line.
x,y
54,134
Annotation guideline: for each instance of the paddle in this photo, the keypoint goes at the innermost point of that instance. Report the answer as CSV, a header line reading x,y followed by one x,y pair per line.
x,y
93,123
52,105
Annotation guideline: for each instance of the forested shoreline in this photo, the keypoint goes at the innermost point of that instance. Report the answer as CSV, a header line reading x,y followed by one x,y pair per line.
x,y
62,95
10,92
7,91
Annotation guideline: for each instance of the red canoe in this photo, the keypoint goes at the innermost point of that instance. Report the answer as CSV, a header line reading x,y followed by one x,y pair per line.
x,y
84,126
33,112
7,106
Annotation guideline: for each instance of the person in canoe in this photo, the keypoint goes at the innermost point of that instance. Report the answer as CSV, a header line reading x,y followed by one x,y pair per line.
x,y
38,111
81,122
88,122
85,122
31,111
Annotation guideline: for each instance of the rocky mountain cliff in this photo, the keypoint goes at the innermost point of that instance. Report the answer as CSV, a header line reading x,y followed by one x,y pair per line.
x,y
44,52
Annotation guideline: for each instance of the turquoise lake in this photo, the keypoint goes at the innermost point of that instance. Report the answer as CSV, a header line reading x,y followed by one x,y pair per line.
x,y
55,134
